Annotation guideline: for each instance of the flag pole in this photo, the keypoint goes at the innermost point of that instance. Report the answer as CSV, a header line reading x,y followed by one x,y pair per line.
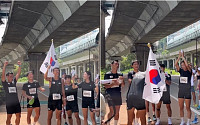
x,y
149,45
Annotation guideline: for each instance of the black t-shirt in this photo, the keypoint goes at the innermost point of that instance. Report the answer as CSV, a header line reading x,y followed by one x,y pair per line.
x,y
31,89
130,74
87,91
110,75
56,87
11,92
70,93
168,77
185,77
137,85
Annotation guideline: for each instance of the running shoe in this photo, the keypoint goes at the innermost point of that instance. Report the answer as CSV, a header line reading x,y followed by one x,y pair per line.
x,y
182,123
149,119
157,122
169,121
198,108
195,121
154,118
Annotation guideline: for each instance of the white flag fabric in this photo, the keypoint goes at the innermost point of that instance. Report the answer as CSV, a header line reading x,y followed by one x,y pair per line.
x,y
155,81
50,59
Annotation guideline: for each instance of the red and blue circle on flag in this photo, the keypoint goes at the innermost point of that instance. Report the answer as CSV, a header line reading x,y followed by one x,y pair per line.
x,y
52,62
154,76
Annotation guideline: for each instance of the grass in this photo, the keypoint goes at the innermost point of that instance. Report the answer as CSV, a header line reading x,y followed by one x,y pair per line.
x,y
24,79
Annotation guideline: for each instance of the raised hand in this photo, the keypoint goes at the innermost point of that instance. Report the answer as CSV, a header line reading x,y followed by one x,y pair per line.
x,y
19,63
5,63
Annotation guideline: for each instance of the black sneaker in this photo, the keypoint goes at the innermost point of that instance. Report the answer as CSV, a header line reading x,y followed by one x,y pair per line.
x,y
154,118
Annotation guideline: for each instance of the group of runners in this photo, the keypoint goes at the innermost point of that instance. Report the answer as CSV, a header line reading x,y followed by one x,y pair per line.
x,y
136,80
62,96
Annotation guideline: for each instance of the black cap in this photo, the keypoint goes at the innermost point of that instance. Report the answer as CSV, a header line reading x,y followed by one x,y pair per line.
x,y
8,73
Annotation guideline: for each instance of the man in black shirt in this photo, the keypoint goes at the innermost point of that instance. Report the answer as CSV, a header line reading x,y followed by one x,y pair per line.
x,y
165,98
30,92
56,94
12,101
114,90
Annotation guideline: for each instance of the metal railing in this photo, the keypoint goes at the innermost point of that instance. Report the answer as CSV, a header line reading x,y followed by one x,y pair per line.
x,y
184,39
80,46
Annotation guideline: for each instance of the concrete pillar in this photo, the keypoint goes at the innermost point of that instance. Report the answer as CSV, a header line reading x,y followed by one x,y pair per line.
x,y
69,70
191,59
173,63
79,71
36,60
162,61
76,69
95,68
142,53
167,64
84,66
102,47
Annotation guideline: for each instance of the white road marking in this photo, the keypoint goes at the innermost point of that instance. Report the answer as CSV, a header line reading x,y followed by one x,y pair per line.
x,y
193,110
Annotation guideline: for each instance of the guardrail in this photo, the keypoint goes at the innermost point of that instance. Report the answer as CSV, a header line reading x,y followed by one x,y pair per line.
x,y
80,46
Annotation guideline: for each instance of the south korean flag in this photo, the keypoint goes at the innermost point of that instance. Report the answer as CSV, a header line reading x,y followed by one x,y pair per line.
x,y
154,79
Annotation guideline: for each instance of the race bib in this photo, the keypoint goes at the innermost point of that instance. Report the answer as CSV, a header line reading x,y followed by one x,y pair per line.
x,y
70,98
183,79
165,89
12,89
56,96
87,93
32,91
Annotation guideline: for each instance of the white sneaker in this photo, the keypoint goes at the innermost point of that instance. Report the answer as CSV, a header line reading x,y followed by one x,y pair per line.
x,y
157,122
169,121
182,123
188,124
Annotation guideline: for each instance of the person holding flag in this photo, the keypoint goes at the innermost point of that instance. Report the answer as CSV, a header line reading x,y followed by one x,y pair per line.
x,y
50,68
184,93
12,101
154,79
134,96
165,98
56,94
30,92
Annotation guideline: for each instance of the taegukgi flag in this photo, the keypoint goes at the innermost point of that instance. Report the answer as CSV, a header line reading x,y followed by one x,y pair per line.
x,y
154,79
50,59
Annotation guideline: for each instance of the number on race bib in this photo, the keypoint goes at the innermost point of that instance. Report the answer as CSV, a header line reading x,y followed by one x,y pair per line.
x,y
87,93
12,89
183,79
56,96
70,98
32,91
